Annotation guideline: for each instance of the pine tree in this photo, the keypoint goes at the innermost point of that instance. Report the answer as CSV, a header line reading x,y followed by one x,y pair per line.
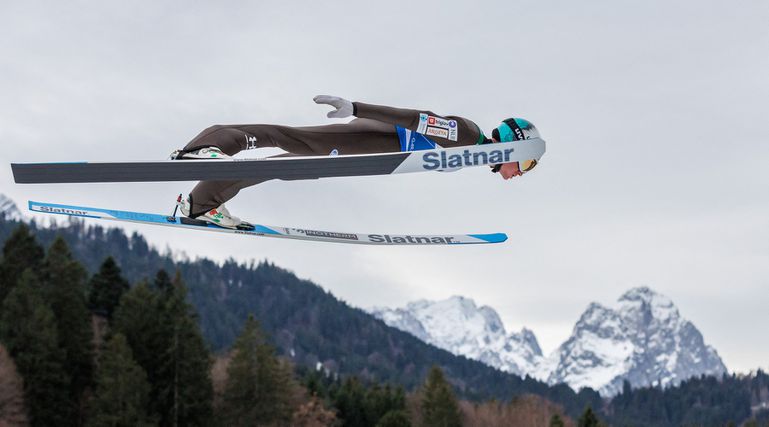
x,y
163,283
106,288
588,418
556,421
349,400
64,288
28,331
12,410
122,390
380,400
396,418
185,389
259,386
439,406
20,252
137,317
165,337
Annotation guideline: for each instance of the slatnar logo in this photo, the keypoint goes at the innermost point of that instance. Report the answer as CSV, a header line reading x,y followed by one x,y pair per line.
x,y
414,240
65,211
441,160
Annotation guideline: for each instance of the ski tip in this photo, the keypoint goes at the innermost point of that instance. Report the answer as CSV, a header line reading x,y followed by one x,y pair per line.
x,y
491,238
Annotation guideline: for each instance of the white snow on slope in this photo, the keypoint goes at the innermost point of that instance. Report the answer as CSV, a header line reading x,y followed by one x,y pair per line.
x,y
642,339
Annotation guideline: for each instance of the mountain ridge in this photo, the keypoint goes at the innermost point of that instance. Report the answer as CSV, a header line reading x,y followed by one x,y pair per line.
x,y
642,339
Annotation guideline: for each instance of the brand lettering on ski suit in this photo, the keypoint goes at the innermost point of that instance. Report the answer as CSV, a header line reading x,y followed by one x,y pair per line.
x,y
441,160
414,240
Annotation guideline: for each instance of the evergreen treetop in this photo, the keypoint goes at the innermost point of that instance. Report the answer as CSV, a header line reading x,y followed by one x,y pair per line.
x,y
122,391
259,386
28,330
20,252
439,406
64,288
106,287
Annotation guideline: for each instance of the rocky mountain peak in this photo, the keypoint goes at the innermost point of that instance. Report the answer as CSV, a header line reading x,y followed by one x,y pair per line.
x,y
458,325
641,338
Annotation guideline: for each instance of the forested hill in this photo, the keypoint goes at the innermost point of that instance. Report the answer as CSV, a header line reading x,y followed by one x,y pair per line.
x,y
308,325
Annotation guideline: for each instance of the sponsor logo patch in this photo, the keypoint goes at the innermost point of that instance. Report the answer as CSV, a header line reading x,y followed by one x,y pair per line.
x,y
438,126
250,142
422,123
443,133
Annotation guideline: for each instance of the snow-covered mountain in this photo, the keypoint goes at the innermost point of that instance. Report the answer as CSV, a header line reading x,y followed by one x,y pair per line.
x,y
642,339
9,210
459,326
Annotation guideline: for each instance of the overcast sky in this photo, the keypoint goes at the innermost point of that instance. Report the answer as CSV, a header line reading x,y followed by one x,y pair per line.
x,y
655,114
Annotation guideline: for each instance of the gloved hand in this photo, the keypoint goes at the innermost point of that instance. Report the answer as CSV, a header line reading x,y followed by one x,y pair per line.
x,y
343,106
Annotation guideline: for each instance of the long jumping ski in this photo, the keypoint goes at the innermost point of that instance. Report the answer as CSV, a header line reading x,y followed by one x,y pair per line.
x,y
284,168
268,230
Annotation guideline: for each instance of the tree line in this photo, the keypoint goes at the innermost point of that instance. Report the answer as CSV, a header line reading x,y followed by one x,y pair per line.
x,y
95,351
76,345
305,322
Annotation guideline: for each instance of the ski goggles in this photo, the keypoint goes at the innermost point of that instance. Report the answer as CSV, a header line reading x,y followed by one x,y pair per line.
x,y
523,166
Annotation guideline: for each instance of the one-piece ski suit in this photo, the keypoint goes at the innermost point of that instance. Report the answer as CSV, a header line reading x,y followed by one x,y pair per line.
x,y
376,129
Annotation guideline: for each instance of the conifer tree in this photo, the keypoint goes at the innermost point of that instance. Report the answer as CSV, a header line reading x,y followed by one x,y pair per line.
x,y
556,421
588,418
439,406
395,418
20,252
349,400
106,288
12,410
259,386
185,389
163,283
137,317
122,390
64,289
165,337
28,331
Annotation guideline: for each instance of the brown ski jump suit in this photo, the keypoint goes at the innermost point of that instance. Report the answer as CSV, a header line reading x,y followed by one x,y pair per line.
x,y
376,129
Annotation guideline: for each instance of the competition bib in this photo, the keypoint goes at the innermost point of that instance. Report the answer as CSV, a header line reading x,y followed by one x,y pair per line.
x,y
413,141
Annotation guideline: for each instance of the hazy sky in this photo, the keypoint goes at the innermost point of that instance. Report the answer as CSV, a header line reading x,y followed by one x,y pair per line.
x,y
655,114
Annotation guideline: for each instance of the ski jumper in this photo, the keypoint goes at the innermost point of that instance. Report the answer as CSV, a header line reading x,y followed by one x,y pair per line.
x,y
377,129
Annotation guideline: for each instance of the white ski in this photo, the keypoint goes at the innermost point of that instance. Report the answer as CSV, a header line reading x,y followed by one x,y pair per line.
x,y
268,230
285,168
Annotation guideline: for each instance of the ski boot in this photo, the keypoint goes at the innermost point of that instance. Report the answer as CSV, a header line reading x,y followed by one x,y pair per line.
x,y
218,216
204,153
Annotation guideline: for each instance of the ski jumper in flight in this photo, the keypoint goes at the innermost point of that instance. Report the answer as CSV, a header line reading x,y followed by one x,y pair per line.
x,y
376,129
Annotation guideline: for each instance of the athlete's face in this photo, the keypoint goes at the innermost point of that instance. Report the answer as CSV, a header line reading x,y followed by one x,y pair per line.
x,y
509,170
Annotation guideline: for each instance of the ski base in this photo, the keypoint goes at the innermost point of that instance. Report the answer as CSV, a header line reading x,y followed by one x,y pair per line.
x,y
268,230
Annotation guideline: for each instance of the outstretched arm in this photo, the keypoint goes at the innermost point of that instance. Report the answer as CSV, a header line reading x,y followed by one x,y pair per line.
x,y
447,130
405,118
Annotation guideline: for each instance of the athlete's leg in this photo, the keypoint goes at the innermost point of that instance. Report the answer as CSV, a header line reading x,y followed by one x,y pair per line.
x,y
357,137
360,136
